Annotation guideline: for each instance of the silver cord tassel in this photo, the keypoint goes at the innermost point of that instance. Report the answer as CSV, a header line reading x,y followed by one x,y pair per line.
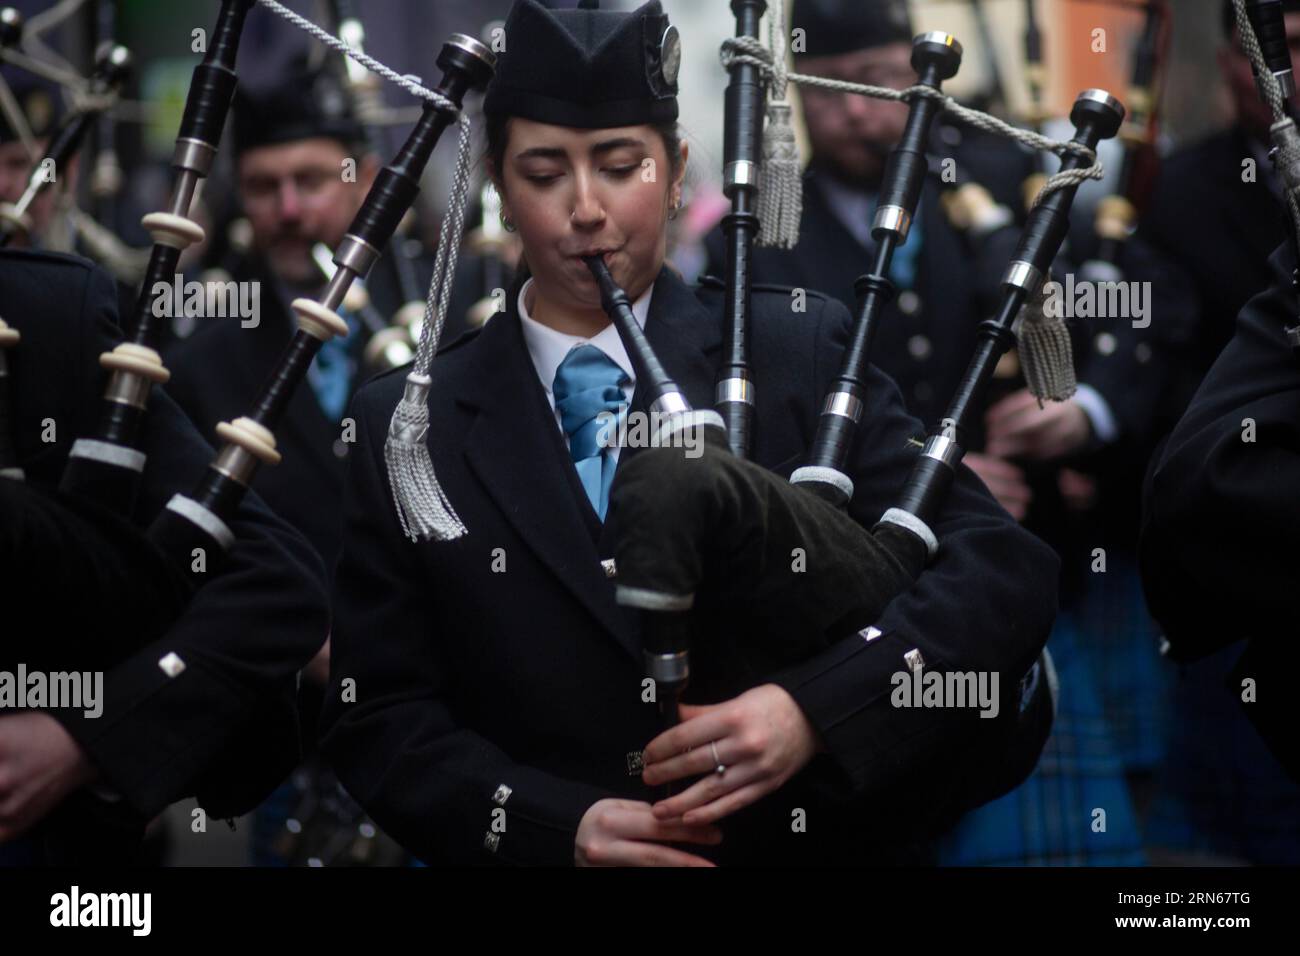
x,y
422,506
780,189
1046,354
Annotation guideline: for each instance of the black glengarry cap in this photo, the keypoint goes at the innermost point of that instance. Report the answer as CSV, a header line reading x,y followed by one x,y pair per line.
x,y
833,27
587,68
305,104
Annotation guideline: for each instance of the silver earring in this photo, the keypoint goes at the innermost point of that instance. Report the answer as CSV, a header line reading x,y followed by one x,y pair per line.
x,y
677,207
506,224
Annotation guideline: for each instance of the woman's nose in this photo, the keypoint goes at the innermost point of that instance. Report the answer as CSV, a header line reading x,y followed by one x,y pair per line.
x,y
587,208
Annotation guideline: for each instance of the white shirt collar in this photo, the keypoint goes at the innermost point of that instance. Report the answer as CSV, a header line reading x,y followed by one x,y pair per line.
x,y
548,347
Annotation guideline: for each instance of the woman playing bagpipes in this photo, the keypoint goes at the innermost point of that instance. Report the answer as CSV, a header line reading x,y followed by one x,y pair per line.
x,y
488,701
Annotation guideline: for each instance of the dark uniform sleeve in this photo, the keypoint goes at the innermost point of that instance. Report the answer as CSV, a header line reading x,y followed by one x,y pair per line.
x,y
1220,520
1146,371
985,603
1221,514
180,707
396,744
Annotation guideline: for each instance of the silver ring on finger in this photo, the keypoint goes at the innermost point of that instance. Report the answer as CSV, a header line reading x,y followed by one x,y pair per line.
x,y
718,766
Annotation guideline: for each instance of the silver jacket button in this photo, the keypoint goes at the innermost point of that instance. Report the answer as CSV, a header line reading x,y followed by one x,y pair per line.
x,y
611,571
501,795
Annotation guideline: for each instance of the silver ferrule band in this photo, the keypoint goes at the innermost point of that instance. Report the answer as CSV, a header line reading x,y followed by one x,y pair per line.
x,y
843,403
356,254
740,173
193,155
197,515
1286,80
235,463
905,519
668,668
127,388
670,403
648,600
735,390
893,219
117,455
944,449
1022,275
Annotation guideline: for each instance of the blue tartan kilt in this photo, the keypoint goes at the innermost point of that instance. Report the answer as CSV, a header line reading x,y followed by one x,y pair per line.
x,y
1121,643
1052,818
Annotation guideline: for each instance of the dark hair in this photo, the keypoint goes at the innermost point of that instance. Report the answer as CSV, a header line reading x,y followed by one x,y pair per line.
x,y
498,134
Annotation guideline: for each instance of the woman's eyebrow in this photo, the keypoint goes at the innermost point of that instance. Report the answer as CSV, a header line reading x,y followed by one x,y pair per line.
x,y
609,144
555,152
542,152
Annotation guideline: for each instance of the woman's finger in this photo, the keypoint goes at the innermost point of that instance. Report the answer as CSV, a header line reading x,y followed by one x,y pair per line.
x,y
736,800
695,732
706,790
633,853
639,823
690,764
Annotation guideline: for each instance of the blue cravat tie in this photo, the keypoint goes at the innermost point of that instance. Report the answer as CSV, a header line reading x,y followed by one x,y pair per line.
x,y
331,371
587,383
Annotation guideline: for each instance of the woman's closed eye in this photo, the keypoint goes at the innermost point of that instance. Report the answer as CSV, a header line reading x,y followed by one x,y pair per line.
x,y
618,172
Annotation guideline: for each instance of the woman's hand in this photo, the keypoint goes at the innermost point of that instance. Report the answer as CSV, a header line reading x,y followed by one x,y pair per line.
x,y
625,833
1004,480
40,764
762,738
1018,428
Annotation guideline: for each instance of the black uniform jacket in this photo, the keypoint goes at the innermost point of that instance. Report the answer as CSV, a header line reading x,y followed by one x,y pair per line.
x,y
218,374
1221,519
1218,227
520,688
224,725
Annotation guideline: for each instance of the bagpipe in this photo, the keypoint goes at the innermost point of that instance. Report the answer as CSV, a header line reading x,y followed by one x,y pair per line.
x,y
710,538
81,538
393,340
1262,26
1117,214
112,66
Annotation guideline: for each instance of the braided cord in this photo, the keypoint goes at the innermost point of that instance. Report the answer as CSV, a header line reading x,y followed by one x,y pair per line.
x,y
1288,157
410,83
748,50
1268,83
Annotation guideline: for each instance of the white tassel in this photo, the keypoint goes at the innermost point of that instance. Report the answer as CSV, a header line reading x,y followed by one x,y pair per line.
x,y
780,191
1046,354
780,181
422,507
